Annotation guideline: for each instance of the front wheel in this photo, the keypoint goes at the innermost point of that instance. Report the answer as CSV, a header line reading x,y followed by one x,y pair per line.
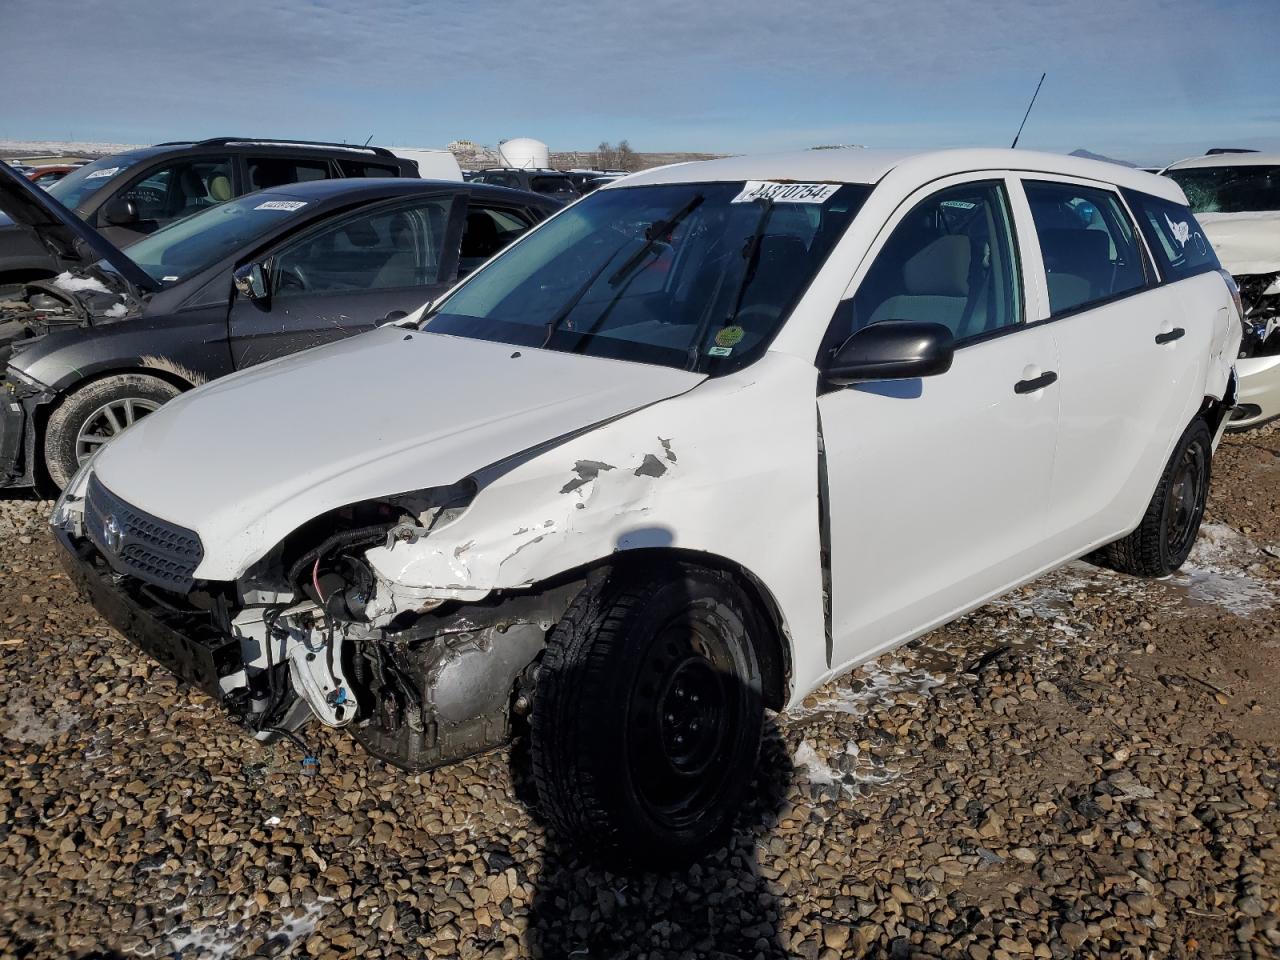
x,y
1163,540
647,716
96,413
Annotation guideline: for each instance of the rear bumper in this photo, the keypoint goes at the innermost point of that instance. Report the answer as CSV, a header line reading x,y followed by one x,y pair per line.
x,y
192,650
1259,398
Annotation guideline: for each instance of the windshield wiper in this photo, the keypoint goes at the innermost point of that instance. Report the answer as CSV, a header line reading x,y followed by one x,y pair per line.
x,y
652,234
751,251
554,323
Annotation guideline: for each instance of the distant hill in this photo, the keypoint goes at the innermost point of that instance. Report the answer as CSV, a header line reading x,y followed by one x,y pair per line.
x,y
1090,155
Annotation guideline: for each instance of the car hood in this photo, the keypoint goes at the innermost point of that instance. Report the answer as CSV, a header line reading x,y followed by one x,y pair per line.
x,y
247,459
71,241
1246,243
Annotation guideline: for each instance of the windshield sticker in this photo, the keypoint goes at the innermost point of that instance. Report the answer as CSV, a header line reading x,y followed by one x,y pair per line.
x,y
730,337
719,351
786,192
289,205
1181,230
104,172
167,279
958,204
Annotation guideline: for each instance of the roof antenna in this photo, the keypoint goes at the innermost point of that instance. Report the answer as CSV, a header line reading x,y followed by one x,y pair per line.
x,y
366,143
1014,145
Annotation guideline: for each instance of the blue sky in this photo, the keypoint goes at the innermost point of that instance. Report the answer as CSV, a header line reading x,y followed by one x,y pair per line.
x,y
1143,80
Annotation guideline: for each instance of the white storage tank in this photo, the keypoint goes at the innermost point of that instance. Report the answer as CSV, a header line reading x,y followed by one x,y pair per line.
x,y
524,153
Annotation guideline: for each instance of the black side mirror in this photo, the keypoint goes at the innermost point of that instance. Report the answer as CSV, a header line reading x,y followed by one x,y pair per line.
x,y
893,350
119,212
251,281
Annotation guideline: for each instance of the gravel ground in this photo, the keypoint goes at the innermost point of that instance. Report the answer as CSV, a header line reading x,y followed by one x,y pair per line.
x,y
1088,767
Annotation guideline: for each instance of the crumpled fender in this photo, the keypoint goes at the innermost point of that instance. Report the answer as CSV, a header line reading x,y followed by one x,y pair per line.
x,y
727,469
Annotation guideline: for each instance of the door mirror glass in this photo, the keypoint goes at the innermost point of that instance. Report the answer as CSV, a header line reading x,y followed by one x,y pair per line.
x,y
251,281
893,350
119,212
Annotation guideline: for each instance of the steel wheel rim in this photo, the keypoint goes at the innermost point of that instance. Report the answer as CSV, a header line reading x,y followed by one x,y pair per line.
x,y
108,422
1184,505
683,714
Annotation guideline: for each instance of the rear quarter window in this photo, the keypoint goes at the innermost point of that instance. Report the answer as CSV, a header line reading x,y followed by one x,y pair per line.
x,y
1174,235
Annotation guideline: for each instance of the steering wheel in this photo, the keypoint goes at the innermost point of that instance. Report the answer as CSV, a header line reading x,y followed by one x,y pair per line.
x,y
293,277
149,198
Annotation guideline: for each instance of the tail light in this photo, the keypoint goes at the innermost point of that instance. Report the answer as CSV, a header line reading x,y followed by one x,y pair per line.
x,y
1235,292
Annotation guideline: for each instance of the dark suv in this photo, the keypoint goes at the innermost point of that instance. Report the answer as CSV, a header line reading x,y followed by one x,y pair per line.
x,y
553,183
130,195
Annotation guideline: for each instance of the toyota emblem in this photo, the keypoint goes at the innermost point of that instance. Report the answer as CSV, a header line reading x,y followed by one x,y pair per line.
x,y
112,533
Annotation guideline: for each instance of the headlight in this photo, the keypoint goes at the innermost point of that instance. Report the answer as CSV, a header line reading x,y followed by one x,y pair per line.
x,y
68,512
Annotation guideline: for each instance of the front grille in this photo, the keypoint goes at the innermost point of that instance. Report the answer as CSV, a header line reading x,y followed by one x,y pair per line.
x,y
138,544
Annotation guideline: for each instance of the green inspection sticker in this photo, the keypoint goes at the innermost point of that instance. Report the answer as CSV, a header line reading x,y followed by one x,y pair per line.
x,y
730,336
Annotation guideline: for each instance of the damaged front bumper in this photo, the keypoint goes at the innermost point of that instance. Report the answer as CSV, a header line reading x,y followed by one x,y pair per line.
x,y
437,687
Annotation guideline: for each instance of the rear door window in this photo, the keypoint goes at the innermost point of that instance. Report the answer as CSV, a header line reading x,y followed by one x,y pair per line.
x,y
1090,247
361,168
267,172
554,186
1174,236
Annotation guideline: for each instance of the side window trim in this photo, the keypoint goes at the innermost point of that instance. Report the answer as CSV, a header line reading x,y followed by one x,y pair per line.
x,y
1006,183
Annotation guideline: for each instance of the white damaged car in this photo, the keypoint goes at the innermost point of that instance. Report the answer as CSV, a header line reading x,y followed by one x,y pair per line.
x,y
704,440
1236,198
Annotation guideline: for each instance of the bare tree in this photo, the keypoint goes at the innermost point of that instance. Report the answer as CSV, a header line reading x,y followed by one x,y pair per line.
x,y
626,157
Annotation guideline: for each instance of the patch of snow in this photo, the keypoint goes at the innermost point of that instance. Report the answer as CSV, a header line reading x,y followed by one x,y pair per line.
x,y
22,723
73,284
1216,572
818,770
875,684
224,938
117,310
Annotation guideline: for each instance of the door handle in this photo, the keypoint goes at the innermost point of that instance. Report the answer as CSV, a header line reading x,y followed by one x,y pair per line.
x,y
1035,383
1177,333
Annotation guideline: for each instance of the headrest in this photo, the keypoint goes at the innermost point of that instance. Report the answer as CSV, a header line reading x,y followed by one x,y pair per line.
x,y
220,187
941,269
360,233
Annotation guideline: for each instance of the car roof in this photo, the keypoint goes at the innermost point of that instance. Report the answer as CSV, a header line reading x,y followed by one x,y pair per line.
x,y
869,166
1227,160
362,188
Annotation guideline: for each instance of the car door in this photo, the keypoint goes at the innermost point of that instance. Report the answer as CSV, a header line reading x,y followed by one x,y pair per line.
x,y
349,275
936,487
163,195
1125,372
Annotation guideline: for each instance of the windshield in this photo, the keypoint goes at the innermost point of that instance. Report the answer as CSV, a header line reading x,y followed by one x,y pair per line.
x,y
696,276
190,245
1240,189
73,189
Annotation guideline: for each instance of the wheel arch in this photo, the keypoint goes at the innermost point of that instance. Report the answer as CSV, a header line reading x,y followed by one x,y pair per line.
x,y
773,649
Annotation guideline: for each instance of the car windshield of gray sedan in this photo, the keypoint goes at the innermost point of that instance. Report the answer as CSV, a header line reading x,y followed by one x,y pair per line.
x,y
1246,188
699,276
190,245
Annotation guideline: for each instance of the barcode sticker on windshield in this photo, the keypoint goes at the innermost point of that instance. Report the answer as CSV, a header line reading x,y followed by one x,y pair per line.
x,y
104,172
289,205
786,192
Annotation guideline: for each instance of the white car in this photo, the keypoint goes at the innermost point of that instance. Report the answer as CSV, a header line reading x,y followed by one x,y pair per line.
x,y
1236,198
702,441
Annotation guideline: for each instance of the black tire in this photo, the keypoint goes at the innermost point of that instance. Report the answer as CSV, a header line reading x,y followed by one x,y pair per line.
x,y
647,715
1168,530
62,438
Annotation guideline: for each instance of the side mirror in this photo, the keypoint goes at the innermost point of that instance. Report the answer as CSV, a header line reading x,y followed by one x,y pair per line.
x,y
893,350
251,281
119,212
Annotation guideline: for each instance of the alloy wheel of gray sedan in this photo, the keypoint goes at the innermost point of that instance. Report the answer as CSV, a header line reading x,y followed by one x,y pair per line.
x,y
109,420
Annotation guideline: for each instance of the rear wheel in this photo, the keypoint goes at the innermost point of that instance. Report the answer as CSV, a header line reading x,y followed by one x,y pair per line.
x,y
647,717
96,413
1168,530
